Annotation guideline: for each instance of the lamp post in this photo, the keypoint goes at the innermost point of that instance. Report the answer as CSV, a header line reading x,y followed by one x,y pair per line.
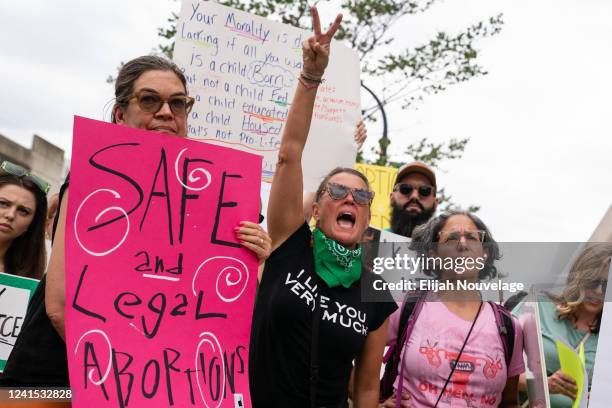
x,y
384,140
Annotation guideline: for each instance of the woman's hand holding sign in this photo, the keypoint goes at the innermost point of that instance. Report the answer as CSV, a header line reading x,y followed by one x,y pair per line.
x,y
560,383
253,237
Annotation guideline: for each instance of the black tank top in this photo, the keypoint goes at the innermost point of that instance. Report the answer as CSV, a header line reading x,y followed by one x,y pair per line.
x,y
39,355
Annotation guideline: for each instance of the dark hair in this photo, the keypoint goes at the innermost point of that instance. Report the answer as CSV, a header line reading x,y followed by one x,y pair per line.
x,y
425,238
132,70
335,171
26,254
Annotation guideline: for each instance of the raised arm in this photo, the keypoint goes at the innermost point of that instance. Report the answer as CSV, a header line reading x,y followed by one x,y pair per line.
x,y
285,211
55,291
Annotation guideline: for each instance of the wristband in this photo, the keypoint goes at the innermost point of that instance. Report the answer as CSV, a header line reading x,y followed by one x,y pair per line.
x,y
308,85
310,78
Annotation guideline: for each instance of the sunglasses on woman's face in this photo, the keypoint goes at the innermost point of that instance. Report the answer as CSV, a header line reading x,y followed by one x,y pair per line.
x,y
339,192
593,284
16,170
152,102
407,189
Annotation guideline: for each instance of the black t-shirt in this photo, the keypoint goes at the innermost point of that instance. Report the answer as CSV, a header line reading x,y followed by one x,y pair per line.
x,y
279,359
39,355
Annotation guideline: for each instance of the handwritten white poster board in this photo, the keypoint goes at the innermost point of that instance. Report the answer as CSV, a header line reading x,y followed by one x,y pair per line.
x,y
242,69
15,293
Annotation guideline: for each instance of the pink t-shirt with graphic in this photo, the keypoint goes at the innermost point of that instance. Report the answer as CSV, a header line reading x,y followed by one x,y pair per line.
x,y
480,376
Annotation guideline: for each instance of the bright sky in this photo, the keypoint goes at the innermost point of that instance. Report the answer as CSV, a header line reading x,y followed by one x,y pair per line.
x,y
538,162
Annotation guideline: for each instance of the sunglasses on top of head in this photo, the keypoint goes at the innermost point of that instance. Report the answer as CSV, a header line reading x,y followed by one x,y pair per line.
x,y
152,102
339,192
16,170
407,189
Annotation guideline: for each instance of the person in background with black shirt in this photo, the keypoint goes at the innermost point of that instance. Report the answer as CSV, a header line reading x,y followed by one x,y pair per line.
x,y
23,210
310,321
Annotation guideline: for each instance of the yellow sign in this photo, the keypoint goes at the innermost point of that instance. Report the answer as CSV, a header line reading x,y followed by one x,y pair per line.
x,y
381,181
572,364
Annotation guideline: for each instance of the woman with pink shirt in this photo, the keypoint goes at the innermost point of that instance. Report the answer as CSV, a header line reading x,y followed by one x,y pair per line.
x,y
454,354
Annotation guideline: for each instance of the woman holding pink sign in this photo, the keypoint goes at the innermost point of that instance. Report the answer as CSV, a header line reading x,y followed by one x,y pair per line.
x,y
310,322
150,94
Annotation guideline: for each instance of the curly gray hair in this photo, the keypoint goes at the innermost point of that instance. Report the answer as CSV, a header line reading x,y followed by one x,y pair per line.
x,y
425,238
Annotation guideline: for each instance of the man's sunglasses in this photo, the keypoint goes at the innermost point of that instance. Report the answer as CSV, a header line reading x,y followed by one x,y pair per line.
x,y
407,189
16,170
152,102
339,192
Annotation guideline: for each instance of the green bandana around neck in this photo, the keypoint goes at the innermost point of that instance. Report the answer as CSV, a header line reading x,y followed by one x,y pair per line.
x,y
335,264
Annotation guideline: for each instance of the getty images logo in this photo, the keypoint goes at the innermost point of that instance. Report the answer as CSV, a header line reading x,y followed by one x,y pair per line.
x,y
238,401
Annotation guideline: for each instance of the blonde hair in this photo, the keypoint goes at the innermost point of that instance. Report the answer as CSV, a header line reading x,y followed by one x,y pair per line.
x,y
587,267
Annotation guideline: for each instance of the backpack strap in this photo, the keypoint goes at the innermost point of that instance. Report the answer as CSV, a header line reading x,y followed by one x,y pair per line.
x,y
392,356
407,307
505,325
413,309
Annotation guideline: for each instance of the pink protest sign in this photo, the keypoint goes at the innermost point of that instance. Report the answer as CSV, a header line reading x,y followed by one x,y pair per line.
x,y
159,292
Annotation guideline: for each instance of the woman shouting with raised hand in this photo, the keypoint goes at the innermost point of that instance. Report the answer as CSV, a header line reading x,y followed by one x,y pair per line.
x,y
310,322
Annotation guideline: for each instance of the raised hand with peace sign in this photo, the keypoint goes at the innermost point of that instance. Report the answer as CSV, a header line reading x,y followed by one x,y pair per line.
x,y
315,50
289,384
285,207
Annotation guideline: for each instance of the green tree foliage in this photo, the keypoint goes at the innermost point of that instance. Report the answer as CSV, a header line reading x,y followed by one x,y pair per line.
x,y
433,154
410,74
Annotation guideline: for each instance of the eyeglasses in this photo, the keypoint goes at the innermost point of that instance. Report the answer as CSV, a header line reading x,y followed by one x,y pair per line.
x,y
16,170
407,189
453,237
152,102
592,284
339,192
